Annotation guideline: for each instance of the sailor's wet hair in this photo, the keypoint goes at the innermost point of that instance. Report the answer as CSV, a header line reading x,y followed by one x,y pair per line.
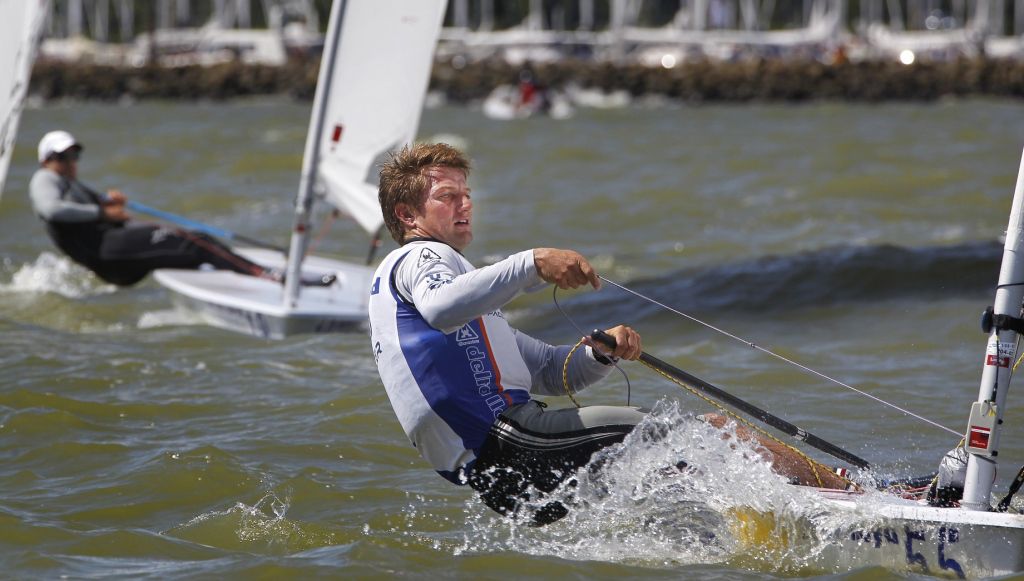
x,y
404,179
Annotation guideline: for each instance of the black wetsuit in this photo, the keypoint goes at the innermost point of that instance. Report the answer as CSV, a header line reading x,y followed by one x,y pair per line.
x,y
121,253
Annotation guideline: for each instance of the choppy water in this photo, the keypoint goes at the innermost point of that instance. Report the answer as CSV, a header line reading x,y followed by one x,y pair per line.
x,y
860,240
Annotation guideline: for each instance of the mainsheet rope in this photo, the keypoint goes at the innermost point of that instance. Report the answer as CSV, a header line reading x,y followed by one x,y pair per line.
x,y
813,464
776,355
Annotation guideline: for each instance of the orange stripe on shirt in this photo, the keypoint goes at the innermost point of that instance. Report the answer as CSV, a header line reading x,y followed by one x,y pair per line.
x,y
494,364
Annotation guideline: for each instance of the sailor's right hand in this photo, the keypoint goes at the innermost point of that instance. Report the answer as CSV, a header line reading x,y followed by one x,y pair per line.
x,y
627,342
565,269
115,213
116,197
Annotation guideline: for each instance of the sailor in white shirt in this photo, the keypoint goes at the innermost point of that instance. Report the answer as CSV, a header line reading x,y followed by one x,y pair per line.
x,y
459,377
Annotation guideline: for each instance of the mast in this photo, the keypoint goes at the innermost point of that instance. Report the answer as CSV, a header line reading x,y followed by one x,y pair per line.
x,y
986,417
311,158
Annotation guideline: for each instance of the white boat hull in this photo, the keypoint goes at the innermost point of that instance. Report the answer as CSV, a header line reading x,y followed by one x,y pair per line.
x,y
897,534
950,542
255,306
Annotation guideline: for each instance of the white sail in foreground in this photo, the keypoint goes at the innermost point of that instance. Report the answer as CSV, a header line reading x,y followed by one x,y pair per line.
x,y
375,97
373,80
21,22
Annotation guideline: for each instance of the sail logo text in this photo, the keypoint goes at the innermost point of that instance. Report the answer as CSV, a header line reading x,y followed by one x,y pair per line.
x,y
482,377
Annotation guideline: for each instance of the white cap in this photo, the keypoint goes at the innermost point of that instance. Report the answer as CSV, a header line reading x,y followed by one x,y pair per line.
x,y
56,142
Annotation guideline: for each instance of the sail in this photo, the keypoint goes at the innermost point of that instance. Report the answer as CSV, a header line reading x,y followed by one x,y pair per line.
x,y
20,25
375,97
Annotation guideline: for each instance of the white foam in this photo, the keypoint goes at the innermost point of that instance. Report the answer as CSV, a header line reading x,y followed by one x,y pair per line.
x,y
168,318
261,528
636,509
55,274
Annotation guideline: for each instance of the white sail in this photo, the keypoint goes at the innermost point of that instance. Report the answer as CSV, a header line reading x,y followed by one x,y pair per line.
x,y
20,25
375,97
369,95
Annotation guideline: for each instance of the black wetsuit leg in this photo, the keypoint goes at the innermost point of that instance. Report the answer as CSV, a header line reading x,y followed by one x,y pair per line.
x,y
128,254
528,446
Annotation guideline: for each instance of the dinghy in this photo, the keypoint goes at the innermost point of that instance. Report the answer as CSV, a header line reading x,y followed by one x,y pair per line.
x,y
21,23
965,537
949,526
503,104
369,96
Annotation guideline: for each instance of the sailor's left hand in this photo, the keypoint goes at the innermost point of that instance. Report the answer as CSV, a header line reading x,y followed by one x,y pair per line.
x,y
627,343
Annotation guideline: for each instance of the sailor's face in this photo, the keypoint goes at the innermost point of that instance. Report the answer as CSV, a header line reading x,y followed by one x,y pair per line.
x,y
71,168
447,213
65,163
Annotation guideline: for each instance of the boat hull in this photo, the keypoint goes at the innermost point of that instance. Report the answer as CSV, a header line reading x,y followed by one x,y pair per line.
x,y
937,541
898,535
255,306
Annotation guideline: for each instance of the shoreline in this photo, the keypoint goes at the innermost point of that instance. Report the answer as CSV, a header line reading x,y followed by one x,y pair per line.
x,y
690,82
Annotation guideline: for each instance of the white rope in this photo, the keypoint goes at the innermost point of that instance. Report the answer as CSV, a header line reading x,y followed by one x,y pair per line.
x,y
787,360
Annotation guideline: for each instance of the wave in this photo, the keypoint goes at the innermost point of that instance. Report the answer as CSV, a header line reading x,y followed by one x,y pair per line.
x,y
54,274
829,276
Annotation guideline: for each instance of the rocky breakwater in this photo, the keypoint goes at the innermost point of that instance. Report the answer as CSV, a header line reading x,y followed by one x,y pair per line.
x,y
697,81
58,80
753,80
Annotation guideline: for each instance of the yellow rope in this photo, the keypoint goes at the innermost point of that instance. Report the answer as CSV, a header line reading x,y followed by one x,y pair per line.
x,y
565,373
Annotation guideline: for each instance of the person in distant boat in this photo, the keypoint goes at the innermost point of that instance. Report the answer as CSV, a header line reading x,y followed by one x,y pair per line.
x,y
532,96
94,229
459,377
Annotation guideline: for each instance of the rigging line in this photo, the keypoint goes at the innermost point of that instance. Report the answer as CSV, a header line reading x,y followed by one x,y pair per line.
x,y
629,388
325,227
783,358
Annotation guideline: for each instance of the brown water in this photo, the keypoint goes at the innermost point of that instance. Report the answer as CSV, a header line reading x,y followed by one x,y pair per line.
x,y
859,240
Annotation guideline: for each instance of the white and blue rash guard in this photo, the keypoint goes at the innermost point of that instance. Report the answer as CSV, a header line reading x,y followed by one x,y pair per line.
x,y
449,360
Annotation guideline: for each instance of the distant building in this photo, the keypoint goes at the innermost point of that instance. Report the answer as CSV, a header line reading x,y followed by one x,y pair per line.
x,y
653,32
